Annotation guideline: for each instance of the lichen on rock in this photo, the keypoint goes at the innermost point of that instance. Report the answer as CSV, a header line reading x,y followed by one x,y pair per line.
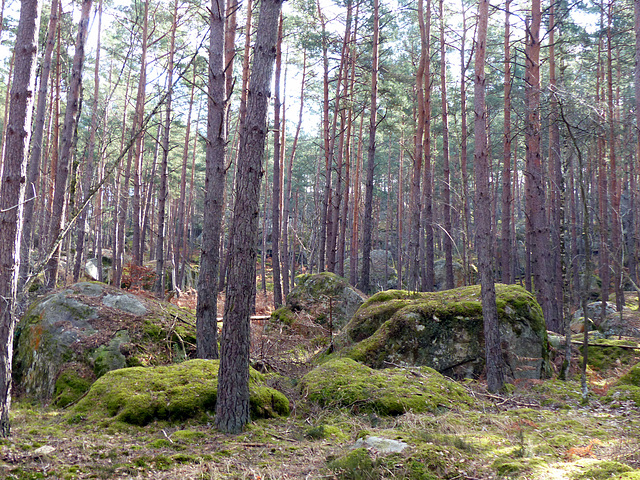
x,y
444,330
89,329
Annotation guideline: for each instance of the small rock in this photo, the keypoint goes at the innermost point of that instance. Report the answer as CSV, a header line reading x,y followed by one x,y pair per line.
x,y
44,450
381,445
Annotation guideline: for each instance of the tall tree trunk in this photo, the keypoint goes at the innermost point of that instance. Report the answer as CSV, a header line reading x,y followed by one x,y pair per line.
x,y
232,406
418,156
540,258
400,214
493,351
37,141
276,204
179,255
207,307
163,190
12,190
367,219
426,246
324,212
353,256
613,171
68,131
83,224
286,210
636,169
463,147
505,237
446,180
138,145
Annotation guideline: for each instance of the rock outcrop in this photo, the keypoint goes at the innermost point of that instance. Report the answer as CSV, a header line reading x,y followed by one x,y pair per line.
x,y
325,297
71,337
444,331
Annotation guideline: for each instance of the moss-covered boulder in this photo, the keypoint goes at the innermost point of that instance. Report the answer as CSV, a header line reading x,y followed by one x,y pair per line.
x,y
187,390
343,382
70,337
627,388
325,297
444,330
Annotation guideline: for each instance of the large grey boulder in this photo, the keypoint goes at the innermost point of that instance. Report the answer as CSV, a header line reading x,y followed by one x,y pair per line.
x,y
327,298
70,337
444,331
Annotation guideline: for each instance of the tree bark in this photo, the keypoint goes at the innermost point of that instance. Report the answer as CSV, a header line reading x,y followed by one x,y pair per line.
x,y
164,165
418,156
37,142
446,180
505,237
540,247
12,190
232,407
207,307
276,204
493,351
367,218
83,225
68,130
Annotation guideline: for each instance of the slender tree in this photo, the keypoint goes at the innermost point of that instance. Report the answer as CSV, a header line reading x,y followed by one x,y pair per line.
x,y
276,204
446,173
207,307
232,407
164,165
37,143
493,351
12,190
68,130
88,172
367,220
505,237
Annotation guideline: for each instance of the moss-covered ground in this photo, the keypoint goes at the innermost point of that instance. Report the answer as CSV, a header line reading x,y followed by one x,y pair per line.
x,y
540,430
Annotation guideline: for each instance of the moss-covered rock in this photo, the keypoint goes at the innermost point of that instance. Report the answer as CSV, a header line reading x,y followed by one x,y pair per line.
x,y
354,465
602,470
608,352
444,330
326,297
89,329
141,395
346,383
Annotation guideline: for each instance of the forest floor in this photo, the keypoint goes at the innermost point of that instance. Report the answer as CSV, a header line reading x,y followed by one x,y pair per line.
x,y
542,430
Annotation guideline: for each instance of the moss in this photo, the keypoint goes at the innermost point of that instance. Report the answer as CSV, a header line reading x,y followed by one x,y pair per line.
x,y
70,387
284,315
188,436
632,377
153,331
610,354
428,329
511,468
187,390
355,465
160,443
623,393
602,471
324,431
346,383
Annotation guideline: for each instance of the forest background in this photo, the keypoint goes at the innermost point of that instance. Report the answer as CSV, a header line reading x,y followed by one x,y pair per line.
x,y
369,144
